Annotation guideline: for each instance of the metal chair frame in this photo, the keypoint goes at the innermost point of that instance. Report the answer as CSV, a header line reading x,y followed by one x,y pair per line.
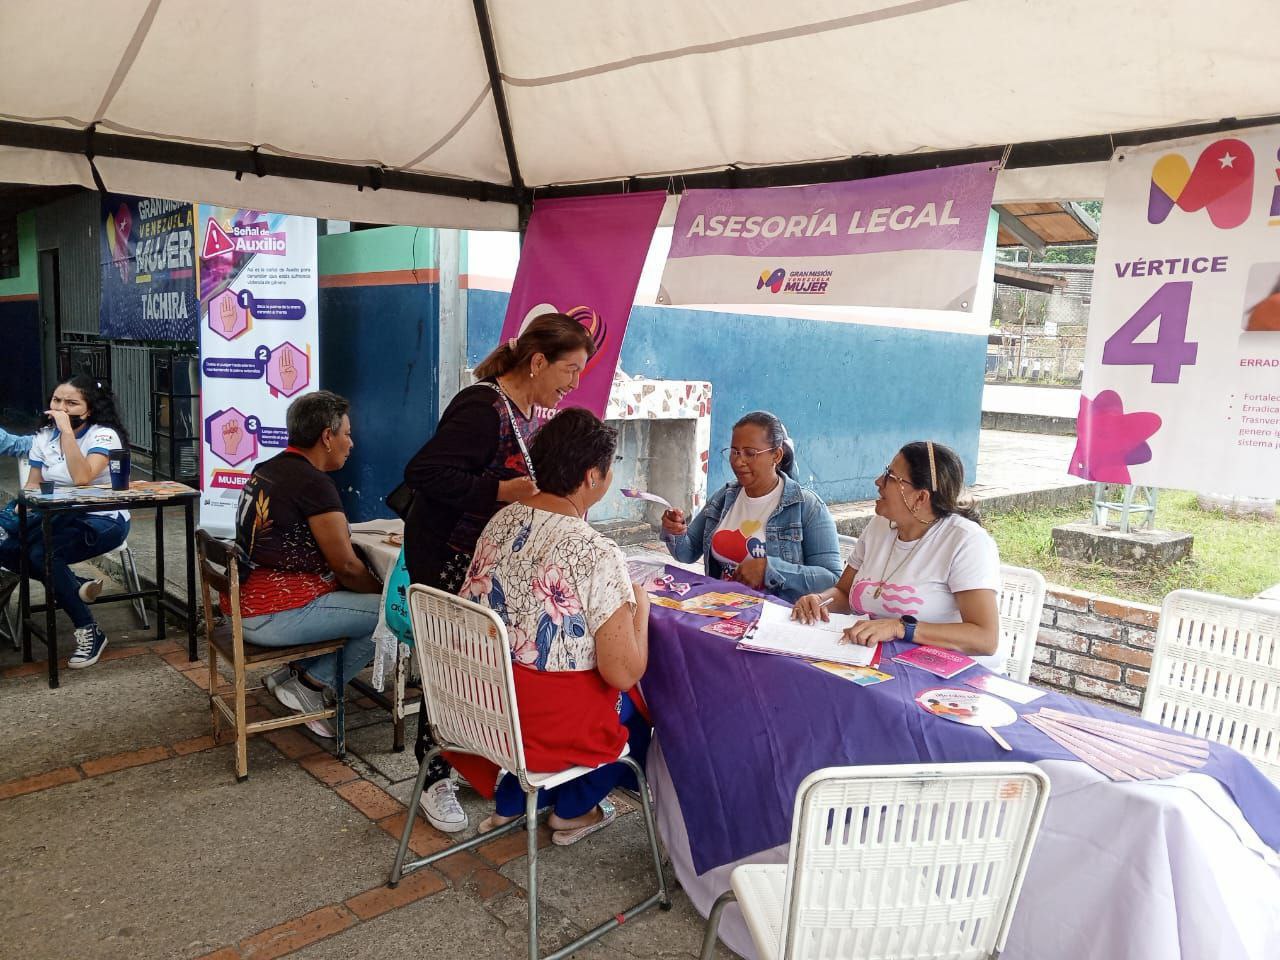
x,y
895,862
464,661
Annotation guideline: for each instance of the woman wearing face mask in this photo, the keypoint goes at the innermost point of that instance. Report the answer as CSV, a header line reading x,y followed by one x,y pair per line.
x,y
80,429
476,462
924,570
763,530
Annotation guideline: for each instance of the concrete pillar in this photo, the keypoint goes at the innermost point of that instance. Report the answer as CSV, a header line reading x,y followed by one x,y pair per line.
x,y
453,316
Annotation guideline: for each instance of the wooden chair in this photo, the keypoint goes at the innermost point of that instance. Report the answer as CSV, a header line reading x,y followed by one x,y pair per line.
x,y
219,570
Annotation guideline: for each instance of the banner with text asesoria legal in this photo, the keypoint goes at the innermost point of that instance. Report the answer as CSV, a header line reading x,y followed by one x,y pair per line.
x,y
906,240
1182,364
582,256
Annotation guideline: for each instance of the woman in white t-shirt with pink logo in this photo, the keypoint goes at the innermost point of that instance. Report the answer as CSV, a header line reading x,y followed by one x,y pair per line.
x,y
924,570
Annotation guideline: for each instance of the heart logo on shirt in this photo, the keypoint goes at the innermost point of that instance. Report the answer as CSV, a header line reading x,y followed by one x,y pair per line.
x,y
730,544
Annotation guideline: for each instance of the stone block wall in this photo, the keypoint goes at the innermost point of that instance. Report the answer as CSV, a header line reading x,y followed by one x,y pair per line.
x,y
1095,647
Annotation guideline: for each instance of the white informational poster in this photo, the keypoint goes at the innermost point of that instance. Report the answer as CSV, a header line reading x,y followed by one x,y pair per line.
x,y
259,344
1182,368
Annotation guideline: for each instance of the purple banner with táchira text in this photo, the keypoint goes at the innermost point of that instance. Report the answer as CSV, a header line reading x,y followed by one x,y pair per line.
x,y
907,240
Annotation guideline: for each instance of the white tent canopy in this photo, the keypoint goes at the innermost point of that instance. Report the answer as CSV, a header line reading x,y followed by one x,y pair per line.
x,y
173,97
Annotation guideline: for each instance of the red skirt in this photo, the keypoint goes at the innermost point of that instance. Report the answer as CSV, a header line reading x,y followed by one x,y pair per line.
x,y
566,720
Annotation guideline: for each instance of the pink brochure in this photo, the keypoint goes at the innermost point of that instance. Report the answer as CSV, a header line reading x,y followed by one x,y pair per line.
x,y
943,663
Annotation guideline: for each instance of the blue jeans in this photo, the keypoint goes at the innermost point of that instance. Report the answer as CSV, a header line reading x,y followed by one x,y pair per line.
x,y
340,614
76,537
576,797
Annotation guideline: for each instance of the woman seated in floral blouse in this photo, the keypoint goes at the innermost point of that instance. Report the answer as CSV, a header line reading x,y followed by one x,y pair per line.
x,y
578,629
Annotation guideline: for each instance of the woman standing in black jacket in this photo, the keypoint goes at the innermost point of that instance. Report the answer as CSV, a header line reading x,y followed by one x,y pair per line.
x,y
476,462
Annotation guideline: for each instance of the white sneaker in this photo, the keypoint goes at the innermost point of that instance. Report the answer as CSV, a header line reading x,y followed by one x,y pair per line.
x,y
300,698
439,803
90,590
277,677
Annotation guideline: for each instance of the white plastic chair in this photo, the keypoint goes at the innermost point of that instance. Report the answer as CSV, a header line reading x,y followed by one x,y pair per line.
x,y
464,661
127,564
895,863
1216,674
1021,602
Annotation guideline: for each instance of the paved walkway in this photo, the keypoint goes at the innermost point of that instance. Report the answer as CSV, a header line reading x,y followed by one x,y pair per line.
x,y
123,834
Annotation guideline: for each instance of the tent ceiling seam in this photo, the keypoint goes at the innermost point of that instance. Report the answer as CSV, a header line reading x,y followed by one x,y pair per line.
x,y
452,131
127,59
751,40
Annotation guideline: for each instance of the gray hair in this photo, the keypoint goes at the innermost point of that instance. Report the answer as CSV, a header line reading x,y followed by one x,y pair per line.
x,y
312,414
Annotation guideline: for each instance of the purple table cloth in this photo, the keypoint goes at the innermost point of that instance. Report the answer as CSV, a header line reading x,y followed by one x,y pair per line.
x,y
741,730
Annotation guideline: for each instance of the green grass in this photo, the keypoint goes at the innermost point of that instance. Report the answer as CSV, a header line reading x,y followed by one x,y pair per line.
x,y
1233,556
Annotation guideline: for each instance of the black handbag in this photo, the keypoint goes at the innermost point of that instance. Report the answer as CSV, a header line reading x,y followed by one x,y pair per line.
x,y
400,500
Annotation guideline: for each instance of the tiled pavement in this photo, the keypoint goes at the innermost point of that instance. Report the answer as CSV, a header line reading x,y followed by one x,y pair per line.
x,y
123,834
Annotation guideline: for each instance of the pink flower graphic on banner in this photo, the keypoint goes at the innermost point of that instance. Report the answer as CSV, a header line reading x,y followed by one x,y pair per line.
x,y
523,647
479,582
558,599
1108,440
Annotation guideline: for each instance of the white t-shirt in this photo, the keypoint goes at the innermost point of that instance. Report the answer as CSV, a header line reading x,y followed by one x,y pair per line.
x,y
741,533
955,554
46,453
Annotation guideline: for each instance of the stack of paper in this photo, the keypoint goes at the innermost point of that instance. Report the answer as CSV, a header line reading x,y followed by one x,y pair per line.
x,y
1119,751
777,633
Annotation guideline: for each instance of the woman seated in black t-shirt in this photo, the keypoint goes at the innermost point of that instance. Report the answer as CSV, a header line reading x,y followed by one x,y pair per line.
x,y
304,582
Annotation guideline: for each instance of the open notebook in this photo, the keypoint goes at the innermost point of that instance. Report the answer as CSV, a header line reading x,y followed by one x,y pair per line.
x,y
777,633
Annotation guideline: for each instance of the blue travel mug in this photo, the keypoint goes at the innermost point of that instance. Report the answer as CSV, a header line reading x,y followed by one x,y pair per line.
x,y
118,461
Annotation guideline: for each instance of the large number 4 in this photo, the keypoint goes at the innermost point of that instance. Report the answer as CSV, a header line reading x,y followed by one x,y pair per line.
x,y
1171,351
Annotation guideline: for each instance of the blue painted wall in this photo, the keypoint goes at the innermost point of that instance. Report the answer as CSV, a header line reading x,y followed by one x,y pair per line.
x,y
379,348
850,394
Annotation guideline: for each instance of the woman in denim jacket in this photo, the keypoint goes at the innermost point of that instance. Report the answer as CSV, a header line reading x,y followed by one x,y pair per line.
x,y
764,530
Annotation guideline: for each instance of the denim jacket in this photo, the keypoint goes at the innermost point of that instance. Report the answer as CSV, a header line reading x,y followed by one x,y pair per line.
x,y
800,541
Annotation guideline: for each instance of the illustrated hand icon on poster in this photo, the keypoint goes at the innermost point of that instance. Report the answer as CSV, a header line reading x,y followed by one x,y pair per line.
x,y
231,436
288,372
227,313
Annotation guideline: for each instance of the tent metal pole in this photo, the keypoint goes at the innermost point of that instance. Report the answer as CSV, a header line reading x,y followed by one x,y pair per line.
x,y
93,143
524,199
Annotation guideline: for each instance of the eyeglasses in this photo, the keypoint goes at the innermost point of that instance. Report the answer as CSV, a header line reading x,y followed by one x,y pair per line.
x,y
745,453
890,475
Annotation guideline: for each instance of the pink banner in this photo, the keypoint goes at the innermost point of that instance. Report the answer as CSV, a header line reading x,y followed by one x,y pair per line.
x,y
582,256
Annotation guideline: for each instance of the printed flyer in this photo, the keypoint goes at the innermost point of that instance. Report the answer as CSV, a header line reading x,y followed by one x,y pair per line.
x,y
148,271
1182,367
259,340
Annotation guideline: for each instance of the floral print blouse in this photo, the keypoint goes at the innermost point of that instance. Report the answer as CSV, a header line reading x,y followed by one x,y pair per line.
x,y
553,580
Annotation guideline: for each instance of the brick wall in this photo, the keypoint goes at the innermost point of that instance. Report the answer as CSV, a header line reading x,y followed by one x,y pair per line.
x,y
1095,647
